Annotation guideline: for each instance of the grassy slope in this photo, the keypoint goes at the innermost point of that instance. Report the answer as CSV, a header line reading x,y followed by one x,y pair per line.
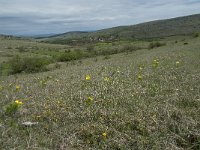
x,y
12,47
161,111
156,29
162,28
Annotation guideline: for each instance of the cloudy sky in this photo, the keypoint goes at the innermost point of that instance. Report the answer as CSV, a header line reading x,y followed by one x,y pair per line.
x,y
26,17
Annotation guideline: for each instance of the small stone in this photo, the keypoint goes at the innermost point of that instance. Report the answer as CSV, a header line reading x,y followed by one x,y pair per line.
x,y
29,124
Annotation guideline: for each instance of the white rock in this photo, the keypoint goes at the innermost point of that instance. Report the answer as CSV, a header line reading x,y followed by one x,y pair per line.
x,y
28,123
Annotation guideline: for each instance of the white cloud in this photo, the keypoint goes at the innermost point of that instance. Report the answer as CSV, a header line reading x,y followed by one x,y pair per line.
x,y
34,16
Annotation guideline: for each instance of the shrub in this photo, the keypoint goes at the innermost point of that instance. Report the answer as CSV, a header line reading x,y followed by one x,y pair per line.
x,y
69,56
129,48
4,68
196,35
13,107
9,47
107,57
27,64
90,48
155,44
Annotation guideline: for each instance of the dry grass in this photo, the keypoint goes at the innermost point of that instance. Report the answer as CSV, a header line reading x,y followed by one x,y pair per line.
x,y
114,109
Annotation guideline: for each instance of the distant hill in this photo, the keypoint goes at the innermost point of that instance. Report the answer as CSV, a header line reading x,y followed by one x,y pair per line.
x,y
73,34
155,29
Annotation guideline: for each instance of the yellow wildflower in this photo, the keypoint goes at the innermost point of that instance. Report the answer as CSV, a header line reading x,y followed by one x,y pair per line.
x,y
156,60
43,83
139,77
18,102
89,100
17,87
155,63
142,66
87,77
104,134
1,87
106,79
177,62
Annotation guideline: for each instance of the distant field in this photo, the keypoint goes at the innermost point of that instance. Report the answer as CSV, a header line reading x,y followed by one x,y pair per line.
x,y
136,98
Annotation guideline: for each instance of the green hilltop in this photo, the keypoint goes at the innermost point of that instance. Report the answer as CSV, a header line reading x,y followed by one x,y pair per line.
x,y
186,25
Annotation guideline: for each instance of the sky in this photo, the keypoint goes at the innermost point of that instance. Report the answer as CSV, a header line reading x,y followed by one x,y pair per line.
x,y
35,17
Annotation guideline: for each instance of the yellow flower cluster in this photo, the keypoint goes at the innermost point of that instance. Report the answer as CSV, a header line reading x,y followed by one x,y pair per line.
x,y
89,100
139,77
155,63
104,134
18,102
106,79
17,87
88,77
141,68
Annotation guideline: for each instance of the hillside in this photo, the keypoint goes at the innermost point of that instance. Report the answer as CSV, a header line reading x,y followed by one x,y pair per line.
x,y
122,94
143,99
72,34
155,29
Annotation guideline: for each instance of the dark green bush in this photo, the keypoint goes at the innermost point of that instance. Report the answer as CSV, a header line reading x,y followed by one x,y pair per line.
x,y
4,68
129,48
74,55
155,44
90,48
107,57
196,35
27,65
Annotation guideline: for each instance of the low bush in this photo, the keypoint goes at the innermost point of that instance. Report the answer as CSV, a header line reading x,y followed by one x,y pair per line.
x,y
26,64
74,55
129,48
155,44
196,35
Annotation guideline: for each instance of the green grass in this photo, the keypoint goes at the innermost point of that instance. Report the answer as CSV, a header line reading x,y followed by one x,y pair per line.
x,y
34,56
160,110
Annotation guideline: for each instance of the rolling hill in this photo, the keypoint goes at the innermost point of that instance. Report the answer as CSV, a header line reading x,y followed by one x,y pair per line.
x,y
186,25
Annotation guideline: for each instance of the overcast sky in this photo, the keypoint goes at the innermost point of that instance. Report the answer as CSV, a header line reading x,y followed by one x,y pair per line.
x,y
25,17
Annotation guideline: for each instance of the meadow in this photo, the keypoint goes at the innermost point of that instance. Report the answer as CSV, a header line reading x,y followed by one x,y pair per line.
x,y
137,97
